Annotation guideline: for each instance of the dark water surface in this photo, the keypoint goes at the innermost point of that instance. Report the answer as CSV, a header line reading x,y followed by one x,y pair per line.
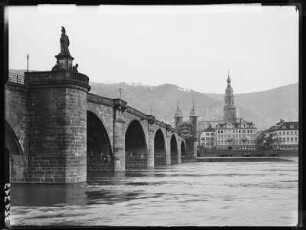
x,y
195,194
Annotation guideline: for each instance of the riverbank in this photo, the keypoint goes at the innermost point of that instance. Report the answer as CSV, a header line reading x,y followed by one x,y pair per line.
x,y
239,159
249,154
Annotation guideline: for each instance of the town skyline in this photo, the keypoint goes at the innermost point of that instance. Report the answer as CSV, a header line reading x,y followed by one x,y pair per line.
x,y
156,46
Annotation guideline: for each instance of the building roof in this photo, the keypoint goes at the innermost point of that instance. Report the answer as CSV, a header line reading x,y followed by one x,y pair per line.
x,y
209,129
287,125
284,125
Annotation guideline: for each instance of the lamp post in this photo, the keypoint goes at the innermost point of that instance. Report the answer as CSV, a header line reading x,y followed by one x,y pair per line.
x,y
28,62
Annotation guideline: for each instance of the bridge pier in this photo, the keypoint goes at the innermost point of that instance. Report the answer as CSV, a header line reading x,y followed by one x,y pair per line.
x,y
168,151
150,156
179,153
119,135
57,127
119,145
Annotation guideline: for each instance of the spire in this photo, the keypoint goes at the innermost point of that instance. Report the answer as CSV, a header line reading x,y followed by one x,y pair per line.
x,y
228,78
192,112
178,112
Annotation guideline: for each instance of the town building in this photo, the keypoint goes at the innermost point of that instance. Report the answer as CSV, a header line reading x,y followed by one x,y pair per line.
x,y
264,140
285,135
239,135
207,138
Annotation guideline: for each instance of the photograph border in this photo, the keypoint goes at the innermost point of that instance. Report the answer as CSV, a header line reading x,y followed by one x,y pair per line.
x,y
300,7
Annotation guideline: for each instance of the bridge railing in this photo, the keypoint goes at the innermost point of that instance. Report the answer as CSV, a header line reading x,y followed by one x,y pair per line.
x,y
16,78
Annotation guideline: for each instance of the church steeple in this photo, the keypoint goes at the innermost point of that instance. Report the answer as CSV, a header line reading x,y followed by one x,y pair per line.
x,y
178,117
193,120
178,112
228,78
192,111
229,107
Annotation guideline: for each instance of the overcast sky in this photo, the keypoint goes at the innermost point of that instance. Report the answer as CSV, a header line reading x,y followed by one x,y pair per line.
x,y
190,46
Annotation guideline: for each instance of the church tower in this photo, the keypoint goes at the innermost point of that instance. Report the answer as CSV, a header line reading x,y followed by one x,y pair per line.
x,y
229,107
178,118
193,120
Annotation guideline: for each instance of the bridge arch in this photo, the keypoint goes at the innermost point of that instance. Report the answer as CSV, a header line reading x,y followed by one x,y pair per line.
x,y
18,161
159,148
174,150
135,146
99,151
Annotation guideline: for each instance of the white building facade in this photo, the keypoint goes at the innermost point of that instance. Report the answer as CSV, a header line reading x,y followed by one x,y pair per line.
x,y
285,136
236,136
207,138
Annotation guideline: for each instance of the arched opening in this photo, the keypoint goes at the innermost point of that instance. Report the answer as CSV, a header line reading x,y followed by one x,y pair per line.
x,y
99,152
135,146
173,149
17,160
159,148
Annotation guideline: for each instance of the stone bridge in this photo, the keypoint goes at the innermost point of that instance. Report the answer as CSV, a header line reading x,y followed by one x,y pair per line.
x,y
58,132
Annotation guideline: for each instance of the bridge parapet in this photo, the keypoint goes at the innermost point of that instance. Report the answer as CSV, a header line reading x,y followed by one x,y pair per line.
x,y
136,112
99,99
57,77
16,78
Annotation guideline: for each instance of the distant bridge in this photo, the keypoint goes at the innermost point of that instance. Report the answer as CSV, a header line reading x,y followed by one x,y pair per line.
x,y
58,132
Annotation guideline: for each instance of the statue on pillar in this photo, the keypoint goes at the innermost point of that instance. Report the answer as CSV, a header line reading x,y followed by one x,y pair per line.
x,y
64,61
64,43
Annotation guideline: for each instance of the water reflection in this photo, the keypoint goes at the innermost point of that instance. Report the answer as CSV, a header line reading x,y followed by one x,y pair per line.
x,y
197,194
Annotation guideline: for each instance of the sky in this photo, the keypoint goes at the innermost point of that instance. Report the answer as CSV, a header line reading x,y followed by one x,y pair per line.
x,y
192,47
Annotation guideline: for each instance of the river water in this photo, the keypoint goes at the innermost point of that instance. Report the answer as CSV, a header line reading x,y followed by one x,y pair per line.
x,y
190,194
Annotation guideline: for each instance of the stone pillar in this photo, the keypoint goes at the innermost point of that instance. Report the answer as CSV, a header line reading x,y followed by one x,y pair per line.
x,y
168,153
150,158
119,135
179,152
151,132
57,126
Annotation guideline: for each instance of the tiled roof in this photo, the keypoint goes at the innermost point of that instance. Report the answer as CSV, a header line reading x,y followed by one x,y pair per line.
x,y
284,125
209,129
